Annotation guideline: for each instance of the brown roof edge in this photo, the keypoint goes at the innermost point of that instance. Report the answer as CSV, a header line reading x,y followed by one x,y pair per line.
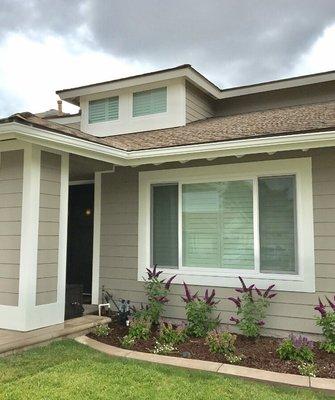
x,y
62,116
131,77
278,80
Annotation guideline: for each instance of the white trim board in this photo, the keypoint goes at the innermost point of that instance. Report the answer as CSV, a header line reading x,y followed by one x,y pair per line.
x,y
304,281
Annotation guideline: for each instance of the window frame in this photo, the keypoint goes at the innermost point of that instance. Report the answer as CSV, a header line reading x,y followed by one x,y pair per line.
x,y
149,115
300,167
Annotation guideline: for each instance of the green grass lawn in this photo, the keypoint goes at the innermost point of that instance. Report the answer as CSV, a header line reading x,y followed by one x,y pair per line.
x,y
68,370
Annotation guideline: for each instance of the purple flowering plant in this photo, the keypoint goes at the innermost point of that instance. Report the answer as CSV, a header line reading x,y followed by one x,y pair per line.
x,y
251,304
296,348
157,291
199,312
326,320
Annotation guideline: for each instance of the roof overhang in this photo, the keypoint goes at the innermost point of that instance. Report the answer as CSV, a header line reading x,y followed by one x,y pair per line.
x,y
196,78
237,148
185,71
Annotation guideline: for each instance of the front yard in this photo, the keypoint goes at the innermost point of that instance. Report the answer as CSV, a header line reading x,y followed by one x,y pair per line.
x,y
68,370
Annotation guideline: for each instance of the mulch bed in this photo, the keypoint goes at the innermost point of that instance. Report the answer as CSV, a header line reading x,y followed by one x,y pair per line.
x,y
259,353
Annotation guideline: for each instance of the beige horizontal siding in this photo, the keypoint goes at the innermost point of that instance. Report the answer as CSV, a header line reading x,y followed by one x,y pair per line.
x,y
289,311
48,239
11,186
198,105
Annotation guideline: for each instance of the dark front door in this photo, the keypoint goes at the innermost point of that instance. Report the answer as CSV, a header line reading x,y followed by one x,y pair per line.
x,y
80,237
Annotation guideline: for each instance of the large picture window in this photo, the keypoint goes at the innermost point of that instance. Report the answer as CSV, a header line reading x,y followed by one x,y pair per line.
x,y
218,224
253,220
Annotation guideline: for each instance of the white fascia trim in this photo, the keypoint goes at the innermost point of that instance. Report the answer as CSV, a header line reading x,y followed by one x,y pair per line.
x,y
271,144
300,167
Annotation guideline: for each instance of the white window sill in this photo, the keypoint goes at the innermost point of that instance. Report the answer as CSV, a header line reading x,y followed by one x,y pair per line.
x,y
290,283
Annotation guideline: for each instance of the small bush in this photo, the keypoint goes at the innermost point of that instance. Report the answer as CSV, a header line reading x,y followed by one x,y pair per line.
x,y
296,348
101,331
307,369
326,321
163,348
127,342
172,334
251,308
199,313
221,342
139,328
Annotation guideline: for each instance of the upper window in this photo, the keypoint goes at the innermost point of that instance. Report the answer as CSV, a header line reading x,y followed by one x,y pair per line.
x,y
103,110
253,220
152,101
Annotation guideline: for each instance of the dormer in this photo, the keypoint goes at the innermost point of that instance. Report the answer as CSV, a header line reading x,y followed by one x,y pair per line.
x,y
157,100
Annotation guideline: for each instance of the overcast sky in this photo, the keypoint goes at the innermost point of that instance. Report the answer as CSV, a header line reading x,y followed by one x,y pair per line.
x,y
47,45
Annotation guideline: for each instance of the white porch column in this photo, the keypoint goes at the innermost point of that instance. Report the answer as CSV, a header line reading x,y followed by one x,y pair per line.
x,y
42,207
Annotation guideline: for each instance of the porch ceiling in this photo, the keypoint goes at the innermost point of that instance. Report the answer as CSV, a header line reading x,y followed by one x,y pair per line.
x,y
83,168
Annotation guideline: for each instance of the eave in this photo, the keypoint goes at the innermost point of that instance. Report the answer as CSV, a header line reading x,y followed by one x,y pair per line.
x,y
237,148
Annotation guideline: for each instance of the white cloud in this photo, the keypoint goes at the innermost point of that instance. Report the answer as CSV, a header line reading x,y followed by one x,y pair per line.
x,y
321,55
31,71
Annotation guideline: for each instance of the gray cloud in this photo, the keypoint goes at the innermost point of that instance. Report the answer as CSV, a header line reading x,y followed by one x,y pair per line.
x,y
231,41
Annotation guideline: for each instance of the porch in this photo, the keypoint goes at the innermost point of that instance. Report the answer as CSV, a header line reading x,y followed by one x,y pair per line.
x,y
14,341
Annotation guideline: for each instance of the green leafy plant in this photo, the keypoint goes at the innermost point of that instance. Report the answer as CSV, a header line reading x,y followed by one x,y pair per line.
x,y
156,290
172,333
101,331
221,342
296,348
139,328
251,308
199,312
163,348
127,342
307,369
326,321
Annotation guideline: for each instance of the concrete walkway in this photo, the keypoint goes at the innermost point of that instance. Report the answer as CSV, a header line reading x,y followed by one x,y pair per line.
x,y
14,341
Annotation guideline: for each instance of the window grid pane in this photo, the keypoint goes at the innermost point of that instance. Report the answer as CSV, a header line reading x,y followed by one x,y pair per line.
x,y
218,225
165,225
277,224
150,102
103,110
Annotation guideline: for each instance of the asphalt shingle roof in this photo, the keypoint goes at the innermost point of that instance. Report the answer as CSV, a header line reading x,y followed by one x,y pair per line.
x,y
275,122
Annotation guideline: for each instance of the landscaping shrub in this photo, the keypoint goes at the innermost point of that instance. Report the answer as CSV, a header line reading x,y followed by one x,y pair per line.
x,y
326,321
101,331
156,290
221,342
199,313
251,308
172,333
127,341
139,328
296,348
307,369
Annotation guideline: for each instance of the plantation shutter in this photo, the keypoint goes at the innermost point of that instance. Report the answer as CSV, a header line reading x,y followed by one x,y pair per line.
x,y
218,225
150,102
277,224
103,110
165,225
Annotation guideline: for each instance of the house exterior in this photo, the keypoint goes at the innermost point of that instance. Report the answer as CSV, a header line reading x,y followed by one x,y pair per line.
x,y
209,184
